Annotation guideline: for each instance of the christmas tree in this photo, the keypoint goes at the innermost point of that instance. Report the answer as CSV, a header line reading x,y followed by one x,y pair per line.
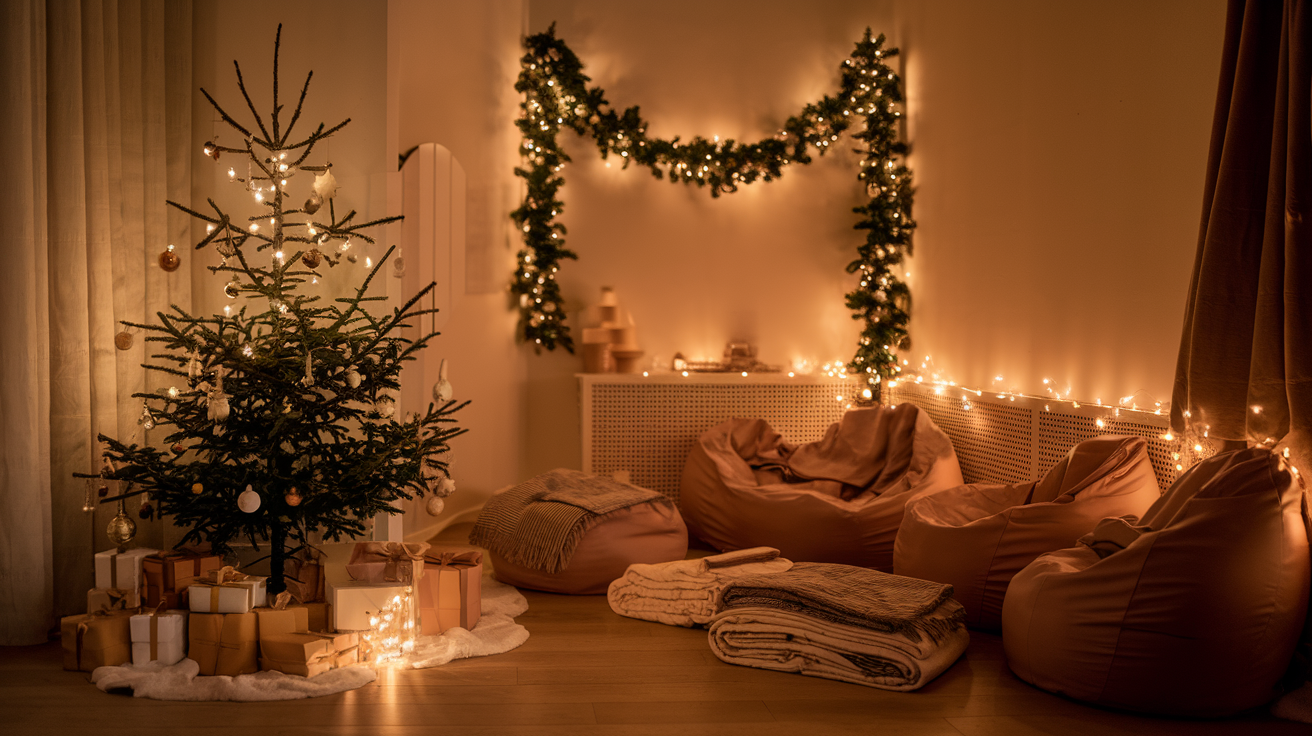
x,y
282,423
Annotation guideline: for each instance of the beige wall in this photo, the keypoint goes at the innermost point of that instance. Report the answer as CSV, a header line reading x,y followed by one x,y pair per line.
x,y
1059,154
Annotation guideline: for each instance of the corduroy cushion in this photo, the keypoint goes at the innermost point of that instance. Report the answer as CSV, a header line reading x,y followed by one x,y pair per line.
x,y
977,537
648,533
1194,611
838,499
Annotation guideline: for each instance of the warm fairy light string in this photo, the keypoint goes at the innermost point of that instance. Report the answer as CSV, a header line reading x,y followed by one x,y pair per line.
x,y
557,96
391,638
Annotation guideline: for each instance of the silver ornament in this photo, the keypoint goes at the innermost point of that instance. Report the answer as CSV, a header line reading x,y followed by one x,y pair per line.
x,y
249,500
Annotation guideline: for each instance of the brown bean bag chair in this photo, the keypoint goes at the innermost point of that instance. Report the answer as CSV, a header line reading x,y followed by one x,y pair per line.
x,y
977,537
1193,612
839,499
647,533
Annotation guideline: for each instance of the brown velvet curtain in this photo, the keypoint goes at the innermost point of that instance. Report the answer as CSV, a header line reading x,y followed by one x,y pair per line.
x,y
1245,365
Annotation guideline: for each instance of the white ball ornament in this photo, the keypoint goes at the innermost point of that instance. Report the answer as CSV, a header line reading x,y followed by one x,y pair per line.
x,y
352,377
249,500
434,506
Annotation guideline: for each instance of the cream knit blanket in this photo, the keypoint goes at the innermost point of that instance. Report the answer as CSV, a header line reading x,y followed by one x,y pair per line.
x,y
683,593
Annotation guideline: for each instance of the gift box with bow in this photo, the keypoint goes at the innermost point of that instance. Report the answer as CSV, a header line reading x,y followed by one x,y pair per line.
x,y
98,639
450,590
226,591
169,574
387,562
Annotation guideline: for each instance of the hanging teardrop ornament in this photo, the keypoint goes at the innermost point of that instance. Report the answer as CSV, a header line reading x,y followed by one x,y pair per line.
x,y
121,528
442,390
146,420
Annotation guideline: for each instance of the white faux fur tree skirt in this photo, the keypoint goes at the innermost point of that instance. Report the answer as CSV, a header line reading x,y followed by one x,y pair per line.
x,y
495,633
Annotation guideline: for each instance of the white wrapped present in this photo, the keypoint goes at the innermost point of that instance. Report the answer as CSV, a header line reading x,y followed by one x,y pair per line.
x,y
354,602
121,570
227,591
159,636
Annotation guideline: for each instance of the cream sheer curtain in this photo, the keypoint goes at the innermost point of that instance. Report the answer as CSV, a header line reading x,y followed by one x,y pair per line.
x,y
96,130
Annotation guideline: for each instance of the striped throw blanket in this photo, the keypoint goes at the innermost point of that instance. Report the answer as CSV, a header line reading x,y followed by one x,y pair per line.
x,y
842,623
538,523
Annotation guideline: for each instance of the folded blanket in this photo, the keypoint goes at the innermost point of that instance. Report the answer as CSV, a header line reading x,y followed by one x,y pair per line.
x,y
775,639
684,593
539,523
852,596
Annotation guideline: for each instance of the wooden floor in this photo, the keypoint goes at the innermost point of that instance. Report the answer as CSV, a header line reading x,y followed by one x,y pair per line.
x,y
585,670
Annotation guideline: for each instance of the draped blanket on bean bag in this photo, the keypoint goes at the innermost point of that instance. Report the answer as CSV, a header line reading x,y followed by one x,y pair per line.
x,y
1193,611
838,499
977,537
842,623
569,532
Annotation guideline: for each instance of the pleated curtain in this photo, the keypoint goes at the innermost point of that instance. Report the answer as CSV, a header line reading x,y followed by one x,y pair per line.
x,y
96,131
1245,365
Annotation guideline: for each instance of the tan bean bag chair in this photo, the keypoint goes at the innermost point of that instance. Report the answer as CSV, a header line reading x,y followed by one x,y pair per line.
x,y
647,534
1193,612
839,499
977,537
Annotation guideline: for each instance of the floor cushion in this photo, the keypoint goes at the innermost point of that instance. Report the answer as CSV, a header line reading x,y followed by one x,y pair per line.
x,y
977,537
838,499
1193,611
648,534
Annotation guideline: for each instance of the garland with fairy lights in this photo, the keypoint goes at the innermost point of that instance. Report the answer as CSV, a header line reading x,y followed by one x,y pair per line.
x,y
557,97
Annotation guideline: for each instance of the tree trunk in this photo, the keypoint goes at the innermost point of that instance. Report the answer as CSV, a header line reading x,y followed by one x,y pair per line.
x,y
277,556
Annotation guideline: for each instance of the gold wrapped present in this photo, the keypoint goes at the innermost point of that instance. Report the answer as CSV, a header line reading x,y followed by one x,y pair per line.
x,y
112,599
224,643
450,591
169,574
98,639
387,562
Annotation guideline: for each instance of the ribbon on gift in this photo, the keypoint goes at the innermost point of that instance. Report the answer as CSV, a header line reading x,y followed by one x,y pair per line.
x,y
281,600
402,562
154,631
451,558
82,628
118,600
224,577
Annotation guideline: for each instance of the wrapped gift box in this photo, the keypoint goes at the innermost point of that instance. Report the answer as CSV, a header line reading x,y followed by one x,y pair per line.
x,y
168,575
99,639
224,643
352,603
304,580
450,591
291,619
387,562
347,658
304,669
227,591
112,599
120,570
158,636
319,615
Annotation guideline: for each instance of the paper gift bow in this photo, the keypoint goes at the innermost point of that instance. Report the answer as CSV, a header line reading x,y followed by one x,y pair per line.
x,y
224,577
402,562
118,600
464,558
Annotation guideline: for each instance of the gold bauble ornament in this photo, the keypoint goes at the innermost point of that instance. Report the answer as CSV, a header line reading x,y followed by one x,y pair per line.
x,y
293,497
169,261
178,448
312,258
197,488
123,340
121,528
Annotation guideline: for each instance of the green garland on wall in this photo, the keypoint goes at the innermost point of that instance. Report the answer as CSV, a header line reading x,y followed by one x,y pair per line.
x,y
557,97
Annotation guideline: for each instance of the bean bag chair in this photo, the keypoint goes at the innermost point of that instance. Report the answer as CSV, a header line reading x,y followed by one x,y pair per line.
x,y
838,499
977,537
569,532
1194,611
